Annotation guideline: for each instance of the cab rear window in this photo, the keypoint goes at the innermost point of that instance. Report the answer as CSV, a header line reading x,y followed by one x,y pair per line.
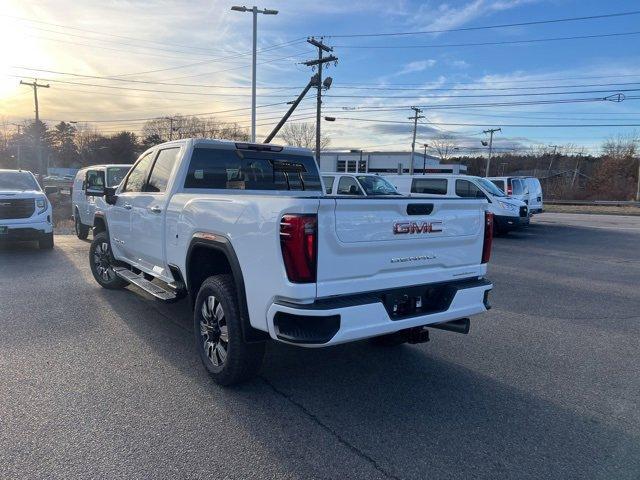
x,y
214,168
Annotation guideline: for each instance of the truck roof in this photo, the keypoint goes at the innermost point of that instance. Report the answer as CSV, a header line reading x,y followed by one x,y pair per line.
x,y
233,144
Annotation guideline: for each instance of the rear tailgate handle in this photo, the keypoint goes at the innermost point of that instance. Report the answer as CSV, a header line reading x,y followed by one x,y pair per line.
x,y
419,208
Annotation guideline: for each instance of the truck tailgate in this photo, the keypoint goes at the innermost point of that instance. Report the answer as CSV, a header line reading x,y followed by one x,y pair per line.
x,y
380,243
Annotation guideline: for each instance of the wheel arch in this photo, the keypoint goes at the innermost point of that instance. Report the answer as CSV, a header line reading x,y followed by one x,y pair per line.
x,y
208,255
100,223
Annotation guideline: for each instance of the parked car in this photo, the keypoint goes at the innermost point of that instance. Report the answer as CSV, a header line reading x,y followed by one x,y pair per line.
x,y
247,234
25,211
83,207
509,213
534,189
357,184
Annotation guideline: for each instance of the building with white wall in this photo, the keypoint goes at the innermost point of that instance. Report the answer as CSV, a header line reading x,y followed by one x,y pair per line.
x,y
384,162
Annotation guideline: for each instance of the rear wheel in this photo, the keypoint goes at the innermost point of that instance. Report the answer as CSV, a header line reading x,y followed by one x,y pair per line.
x,y
46,242
102,263
218,335
82,230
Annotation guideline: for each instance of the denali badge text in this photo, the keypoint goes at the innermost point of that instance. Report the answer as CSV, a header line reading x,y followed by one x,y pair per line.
x,y
416,227
412,259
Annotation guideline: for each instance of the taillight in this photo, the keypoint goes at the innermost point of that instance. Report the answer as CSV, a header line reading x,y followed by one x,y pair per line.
x,y
509,190
488,236
299,243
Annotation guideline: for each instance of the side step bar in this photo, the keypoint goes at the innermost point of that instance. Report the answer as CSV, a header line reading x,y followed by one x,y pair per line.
x,y
149,287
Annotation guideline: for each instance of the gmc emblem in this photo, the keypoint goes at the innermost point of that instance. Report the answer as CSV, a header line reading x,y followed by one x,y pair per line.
x,y
415,227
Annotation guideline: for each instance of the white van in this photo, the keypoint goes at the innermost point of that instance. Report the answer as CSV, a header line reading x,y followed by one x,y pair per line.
x,y
509,213
357,184
527,189
83,208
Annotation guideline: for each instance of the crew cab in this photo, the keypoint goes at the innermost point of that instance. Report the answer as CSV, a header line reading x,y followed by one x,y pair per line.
x,y
25,211
84,207
247,234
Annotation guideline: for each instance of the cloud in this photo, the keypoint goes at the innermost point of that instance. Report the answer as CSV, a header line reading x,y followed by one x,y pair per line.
x,y
447,16
416,66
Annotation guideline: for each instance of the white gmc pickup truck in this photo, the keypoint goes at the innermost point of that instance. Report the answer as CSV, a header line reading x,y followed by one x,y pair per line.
x,y
247,234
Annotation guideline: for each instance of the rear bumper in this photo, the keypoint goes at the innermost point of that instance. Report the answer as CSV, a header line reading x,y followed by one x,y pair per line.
x,y
349,318
24,231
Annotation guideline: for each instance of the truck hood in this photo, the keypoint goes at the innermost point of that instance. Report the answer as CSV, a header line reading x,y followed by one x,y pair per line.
x,y
20,193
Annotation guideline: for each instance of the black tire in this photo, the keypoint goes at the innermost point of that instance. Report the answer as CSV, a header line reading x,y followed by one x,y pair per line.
x,y
46,242
82,230
390,340
218,333
102,262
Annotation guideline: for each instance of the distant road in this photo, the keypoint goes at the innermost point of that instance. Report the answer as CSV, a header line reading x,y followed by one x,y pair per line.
x,y
609,222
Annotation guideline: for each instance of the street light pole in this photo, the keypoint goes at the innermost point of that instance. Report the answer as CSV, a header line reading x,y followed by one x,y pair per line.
x,y
424,159
254,10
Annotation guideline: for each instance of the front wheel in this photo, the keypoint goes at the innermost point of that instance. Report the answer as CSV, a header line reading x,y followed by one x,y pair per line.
x,y
102,263
82,230
218,335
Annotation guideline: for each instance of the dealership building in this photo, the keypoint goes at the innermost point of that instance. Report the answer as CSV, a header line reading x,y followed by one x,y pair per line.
x,y
384,162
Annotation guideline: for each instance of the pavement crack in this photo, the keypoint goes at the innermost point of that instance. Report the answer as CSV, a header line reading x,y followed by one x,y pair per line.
x,y
314,418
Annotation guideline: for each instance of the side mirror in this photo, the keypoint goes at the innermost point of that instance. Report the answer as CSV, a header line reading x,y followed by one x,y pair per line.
x,y
110,195
51,190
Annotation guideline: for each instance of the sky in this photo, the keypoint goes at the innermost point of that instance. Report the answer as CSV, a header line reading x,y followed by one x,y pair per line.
x,y
170,57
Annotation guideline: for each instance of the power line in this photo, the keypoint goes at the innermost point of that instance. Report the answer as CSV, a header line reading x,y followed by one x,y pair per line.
x,y
501,42
473,89
149,82
488,27
574,92
575,125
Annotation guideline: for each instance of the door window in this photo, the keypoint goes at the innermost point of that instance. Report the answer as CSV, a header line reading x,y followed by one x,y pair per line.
x,y
328,184
138,175
349,186
94,179
433,186
467,189
161,170
500,184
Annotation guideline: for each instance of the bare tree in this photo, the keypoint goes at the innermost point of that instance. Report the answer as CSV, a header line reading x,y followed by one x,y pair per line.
x,y
444,145
302,135
189,126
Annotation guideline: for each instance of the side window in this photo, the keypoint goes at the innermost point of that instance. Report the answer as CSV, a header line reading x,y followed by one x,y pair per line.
x,y
161,170
516,187
499,184
433,186
328,184
467,189
348,186
94,179
138,175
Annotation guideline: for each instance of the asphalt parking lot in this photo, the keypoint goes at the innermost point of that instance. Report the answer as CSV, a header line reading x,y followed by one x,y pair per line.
x,y
107,384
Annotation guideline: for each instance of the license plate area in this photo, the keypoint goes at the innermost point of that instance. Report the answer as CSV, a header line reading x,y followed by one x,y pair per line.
x,y
420,300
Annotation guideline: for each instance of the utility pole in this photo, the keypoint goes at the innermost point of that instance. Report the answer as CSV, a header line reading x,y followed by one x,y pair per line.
x,y
35,85
416,115
555,149
171,119
254,10
321,84
490,131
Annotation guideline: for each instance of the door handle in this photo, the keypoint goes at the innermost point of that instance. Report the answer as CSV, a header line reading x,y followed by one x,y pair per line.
x,y
156,209
128,206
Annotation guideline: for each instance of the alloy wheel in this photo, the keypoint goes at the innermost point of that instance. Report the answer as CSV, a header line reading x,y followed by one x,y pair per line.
x,y
214,332
102,262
